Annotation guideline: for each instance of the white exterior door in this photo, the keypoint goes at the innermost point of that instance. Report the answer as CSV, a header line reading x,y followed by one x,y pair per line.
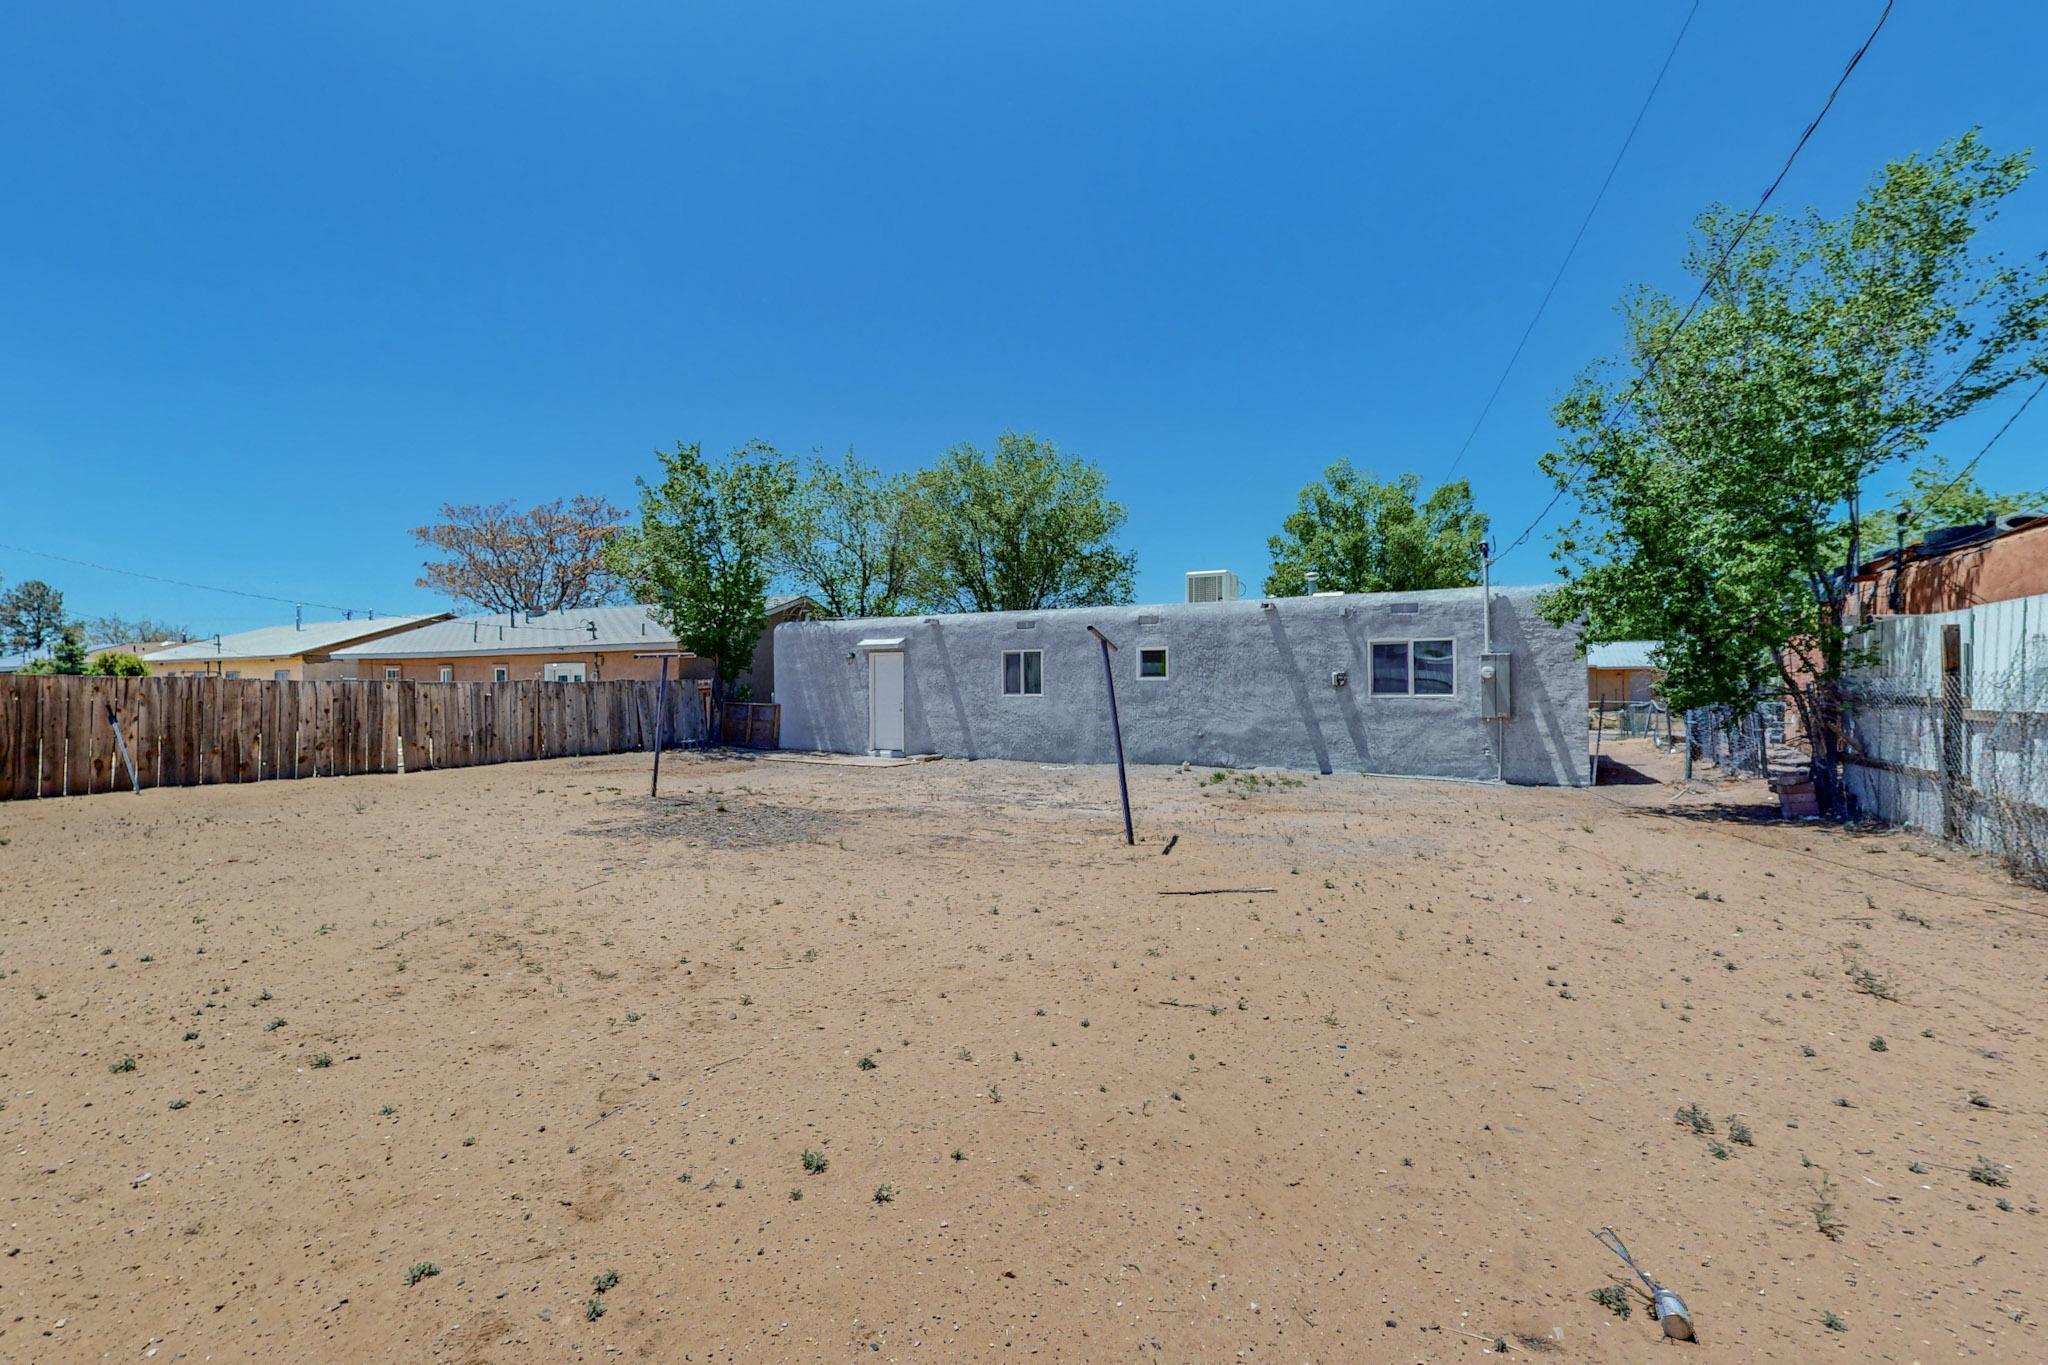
x,y
885,701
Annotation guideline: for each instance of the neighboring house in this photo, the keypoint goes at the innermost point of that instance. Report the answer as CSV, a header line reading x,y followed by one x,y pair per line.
x,y
142,649
1621,671
1946,712
589,644
295,653
1954,568
1382,683
14,663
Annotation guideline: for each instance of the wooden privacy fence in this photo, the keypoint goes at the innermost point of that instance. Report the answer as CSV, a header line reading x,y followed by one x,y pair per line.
x,y
750,724
56,738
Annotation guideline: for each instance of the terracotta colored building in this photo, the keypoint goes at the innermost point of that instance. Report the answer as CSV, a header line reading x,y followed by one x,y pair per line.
x,y
1954,568
590,644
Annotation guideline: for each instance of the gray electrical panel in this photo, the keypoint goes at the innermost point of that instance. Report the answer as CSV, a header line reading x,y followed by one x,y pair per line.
x,y
1495,695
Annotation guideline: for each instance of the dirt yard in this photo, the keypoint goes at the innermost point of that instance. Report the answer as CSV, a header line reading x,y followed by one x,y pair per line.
x,y
267,1053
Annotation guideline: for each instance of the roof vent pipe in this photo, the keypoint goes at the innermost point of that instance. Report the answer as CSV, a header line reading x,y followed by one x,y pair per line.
x,y
1310,578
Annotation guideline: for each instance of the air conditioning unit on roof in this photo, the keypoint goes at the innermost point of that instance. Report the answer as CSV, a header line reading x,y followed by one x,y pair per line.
x,y
1213,585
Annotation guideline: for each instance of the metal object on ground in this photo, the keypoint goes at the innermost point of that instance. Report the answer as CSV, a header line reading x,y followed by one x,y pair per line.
x,y
1671,1311
115,721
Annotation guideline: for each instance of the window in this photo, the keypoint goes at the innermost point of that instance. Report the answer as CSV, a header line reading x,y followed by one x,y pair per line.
x,y
1152,661
500,673
232,673
1432,668
281,674
390,675
447,673
1023,672
1420,668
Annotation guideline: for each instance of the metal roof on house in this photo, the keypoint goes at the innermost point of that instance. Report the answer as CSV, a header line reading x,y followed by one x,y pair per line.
x,y
282,642
1621,654
582,630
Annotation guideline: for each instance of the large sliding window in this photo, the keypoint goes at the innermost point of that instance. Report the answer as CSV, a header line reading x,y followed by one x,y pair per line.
x,y
1414,668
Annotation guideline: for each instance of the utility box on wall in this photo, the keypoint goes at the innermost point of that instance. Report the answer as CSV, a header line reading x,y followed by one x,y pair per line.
x,y
1494,693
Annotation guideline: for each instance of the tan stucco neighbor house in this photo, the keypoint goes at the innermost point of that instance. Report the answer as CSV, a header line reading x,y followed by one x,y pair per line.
x,y
587,644
291,653
1623,671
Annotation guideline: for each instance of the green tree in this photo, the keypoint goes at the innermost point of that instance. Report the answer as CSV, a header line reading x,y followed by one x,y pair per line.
x,y
1357,534
1023,529
1711,482
704,550
118,663
67,656
849,537
31,616
1935,497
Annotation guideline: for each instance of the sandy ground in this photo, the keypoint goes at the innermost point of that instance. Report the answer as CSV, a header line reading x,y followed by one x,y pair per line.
x,y
523,1025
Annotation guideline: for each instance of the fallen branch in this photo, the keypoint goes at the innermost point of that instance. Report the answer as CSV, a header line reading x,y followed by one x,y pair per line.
x,y
1225,891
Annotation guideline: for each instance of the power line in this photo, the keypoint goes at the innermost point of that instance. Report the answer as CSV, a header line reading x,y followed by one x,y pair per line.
x,y
1650,370
1964,472
1572,250
183,583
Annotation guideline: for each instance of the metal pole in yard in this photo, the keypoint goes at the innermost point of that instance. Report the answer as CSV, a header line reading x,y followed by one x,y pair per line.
x,y
1599,729
661,708
660,721
1123,786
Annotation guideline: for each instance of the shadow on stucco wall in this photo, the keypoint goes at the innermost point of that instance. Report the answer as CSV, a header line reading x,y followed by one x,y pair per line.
x,y
1299,686
965,747
1550,753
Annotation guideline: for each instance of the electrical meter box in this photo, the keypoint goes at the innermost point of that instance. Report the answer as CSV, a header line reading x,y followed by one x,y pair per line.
x,y
1494,692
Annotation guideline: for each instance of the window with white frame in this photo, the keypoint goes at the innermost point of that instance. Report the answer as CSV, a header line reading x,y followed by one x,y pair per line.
x,y
1413,668
391,674
281,674
1023,672
1152,661
447,673
500,673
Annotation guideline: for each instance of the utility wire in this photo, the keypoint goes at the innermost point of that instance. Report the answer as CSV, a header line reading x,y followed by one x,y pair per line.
x,y
1964,472
183,583
367,612
1580,236
1650,370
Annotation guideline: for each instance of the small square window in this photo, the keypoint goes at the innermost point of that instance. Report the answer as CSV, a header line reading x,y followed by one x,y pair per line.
x,y
232,673
1390,668
500,673
1152,661
447,673
390,675
281,674
1023,672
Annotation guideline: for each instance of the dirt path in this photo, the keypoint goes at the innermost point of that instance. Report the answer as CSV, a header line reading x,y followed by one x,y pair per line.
x,y
523,1025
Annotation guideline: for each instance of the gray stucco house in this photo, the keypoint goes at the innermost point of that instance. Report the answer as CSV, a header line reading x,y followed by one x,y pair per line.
x,y
1385,683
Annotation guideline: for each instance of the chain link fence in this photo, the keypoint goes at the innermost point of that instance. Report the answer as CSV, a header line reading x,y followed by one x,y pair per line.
x,y
1737,740
1966,760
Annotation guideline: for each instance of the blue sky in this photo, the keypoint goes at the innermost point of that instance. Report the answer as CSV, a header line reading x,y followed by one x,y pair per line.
x,y
282,279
